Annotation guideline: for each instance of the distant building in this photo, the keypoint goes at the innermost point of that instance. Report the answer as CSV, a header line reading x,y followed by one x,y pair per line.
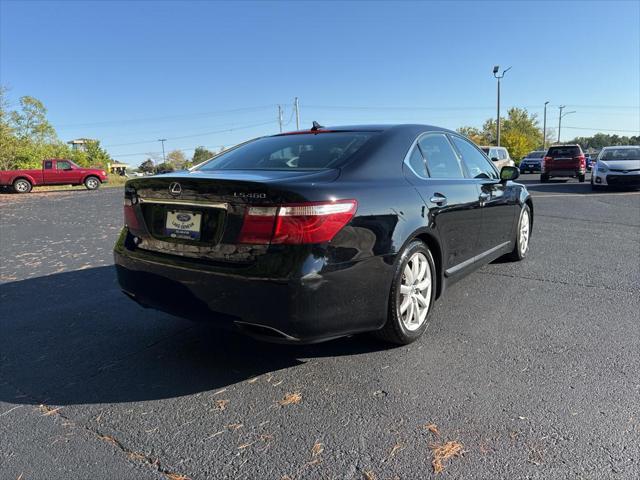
x,y
117,168
80,144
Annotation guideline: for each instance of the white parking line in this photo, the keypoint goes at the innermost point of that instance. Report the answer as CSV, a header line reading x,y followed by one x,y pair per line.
x,y
586,194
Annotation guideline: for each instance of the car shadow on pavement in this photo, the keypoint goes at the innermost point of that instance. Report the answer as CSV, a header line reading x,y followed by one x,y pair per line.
x,y
74,338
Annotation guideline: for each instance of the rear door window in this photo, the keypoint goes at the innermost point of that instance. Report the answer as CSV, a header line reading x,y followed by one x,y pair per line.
x,y
312,151
477,164
442,161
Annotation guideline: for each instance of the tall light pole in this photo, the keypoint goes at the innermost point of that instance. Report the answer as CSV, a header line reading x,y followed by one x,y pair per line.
x,y
280,117
561,116
162,140
499,77
297,107
544,127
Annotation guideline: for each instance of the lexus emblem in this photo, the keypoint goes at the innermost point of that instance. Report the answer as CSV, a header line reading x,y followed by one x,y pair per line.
x,y
175,189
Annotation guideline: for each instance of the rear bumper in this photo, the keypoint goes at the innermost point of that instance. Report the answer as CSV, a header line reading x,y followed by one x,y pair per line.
x,y
530,168
315,302
564,173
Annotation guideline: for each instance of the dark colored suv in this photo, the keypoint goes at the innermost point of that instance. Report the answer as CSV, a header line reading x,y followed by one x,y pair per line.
x,y
563,161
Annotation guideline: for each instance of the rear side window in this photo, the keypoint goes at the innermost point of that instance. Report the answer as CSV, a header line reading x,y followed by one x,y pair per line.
x,y
442,161
559,152
417,163
48,165
292,152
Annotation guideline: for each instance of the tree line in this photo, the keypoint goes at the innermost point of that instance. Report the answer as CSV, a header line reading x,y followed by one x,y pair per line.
x,y
27,137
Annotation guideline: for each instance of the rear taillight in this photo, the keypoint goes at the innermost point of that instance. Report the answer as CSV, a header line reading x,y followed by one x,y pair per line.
x,y
130,218
296,223
582,159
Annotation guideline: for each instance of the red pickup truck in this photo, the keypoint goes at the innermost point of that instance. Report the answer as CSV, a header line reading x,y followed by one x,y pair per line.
x,y
54,171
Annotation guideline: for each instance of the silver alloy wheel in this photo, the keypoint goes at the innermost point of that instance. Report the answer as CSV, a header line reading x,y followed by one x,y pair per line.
x,y
92,183
22,186
415,292
523,233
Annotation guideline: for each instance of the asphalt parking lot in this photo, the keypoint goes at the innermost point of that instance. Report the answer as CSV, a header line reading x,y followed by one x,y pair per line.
x,y
533,367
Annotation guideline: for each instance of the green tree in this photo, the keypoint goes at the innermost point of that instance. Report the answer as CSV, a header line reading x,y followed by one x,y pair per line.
x,y
520,133
177,159
201,154
147,166
30,122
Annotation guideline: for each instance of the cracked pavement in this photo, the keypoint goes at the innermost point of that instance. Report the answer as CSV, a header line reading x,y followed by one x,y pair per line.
x,y
534,367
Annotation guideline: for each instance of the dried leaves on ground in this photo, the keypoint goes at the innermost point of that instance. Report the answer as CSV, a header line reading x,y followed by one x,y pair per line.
x,y
291,399
433,428
443,452
221,404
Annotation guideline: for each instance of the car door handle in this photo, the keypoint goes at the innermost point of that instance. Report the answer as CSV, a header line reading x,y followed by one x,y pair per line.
x,y
439,199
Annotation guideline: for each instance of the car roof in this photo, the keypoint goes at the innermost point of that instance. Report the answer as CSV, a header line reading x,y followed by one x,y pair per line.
x,y
620,146
491,146
370,128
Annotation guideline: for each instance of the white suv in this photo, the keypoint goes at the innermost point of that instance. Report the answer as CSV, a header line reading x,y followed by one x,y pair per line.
x,y
499,156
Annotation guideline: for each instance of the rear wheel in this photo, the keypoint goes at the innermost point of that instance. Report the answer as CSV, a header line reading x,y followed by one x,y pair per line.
x,y
22,185
521,247
92,183
581,178
544,178
412,295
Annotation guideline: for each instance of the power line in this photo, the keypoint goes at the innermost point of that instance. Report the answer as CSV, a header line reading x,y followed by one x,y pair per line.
x,y
169,117
604,129
194,135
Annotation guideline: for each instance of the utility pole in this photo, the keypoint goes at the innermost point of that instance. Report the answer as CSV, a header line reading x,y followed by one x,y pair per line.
x,y
561,107
499,77
561,116
280,117
297,107
162,140
544,128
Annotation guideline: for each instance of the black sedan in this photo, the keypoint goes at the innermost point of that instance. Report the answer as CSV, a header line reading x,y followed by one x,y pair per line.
x,y
315,234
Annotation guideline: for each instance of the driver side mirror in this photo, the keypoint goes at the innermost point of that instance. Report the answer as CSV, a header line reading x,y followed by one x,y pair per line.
x,y
509,173
494,159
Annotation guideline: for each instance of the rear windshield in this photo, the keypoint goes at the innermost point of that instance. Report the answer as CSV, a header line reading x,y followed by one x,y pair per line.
x,y
536,154
564,152
621,154
292,152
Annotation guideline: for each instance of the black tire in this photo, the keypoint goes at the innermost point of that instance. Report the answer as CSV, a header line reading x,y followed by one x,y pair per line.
x,y
518,253
394,330
544,178
581,178
22,185
92,183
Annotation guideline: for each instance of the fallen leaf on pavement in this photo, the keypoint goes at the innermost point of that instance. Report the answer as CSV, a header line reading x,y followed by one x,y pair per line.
x,y
291,398
443,452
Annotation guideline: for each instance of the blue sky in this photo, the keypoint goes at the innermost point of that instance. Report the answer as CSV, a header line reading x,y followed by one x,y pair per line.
x,y
212,73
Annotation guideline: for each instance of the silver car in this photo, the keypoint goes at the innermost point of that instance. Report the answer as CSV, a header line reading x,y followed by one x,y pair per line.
x,y
617,167
499,156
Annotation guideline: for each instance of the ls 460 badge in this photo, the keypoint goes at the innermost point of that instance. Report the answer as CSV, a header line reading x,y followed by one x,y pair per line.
x,y
249,195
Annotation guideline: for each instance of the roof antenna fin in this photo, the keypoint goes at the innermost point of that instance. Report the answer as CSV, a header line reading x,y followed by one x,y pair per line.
x,y
316,126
